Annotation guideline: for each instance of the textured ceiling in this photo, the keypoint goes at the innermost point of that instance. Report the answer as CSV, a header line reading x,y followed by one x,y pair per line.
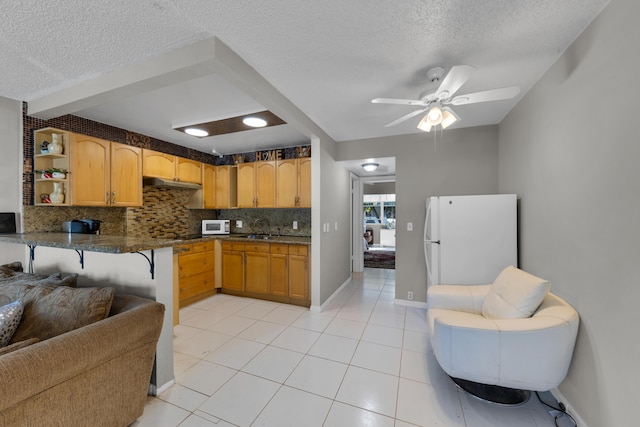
x,y
328,57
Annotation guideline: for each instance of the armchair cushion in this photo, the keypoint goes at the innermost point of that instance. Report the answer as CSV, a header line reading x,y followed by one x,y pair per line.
x,y
515,294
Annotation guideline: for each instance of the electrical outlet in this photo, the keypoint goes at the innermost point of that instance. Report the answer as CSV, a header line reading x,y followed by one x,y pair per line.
x,y
410,296
238,223
295,225
409,226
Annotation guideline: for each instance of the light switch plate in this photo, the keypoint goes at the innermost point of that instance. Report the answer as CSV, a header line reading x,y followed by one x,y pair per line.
x,y
409,226
295,225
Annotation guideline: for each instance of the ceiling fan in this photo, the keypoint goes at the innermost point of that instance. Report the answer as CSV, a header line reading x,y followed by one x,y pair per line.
x,y
437,102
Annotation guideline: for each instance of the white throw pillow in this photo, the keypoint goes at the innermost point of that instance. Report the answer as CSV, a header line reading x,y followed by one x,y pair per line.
x,y
514,294
10,316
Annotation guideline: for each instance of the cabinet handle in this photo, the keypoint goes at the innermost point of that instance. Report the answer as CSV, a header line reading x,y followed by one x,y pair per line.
x,y
106,198
113,198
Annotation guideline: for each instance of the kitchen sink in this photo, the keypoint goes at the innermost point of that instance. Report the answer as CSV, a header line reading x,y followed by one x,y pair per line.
x,y
256,236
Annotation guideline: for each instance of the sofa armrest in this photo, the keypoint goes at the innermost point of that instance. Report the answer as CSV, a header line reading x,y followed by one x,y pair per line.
x,y
467,298
41,366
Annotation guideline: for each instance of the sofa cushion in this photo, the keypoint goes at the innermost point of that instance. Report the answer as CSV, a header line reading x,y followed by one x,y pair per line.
x,y
18,345
55,279
53,310
514,294
14,266
10,316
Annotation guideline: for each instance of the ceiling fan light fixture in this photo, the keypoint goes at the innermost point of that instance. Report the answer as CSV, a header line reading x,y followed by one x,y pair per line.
x,y
435,115
196,132
424,124
370,167
254,122
448,117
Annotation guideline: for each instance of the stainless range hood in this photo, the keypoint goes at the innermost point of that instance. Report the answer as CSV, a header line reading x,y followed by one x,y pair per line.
x,y
169,183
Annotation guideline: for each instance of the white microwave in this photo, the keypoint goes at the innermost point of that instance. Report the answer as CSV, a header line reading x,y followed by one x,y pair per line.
x,y
215,226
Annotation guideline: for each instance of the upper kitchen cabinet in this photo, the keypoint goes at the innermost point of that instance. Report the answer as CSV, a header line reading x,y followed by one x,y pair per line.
x,y
226,187
126,175
294,183
167,166
205,198
104,173
257,184
51,167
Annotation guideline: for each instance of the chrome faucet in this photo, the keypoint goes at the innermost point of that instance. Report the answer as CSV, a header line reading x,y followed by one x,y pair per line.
x,y
265,229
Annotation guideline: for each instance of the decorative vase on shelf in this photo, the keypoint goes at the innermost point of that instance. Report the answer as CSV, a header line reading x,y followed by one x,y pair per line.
x,y
58,193
55,147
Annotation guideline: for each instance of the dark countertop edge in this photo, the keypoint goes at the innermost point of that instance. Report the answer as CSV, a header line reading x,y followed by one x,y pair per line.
x,y
291,240
89,242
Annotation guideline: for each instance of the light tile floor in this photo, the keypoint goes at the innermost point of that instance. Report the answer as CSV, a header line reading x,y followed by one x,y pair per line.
x,y
363,361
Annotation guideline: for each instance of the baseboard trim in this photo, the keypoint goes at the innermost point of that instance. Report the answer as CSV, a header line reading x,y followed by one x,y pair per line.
x,y
416,304
319,308
570,409
156,391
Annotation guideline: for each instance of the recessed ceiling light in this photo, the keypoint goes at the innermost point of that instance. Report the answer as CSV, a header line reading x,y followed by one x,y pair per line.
x,y
196,132
254,122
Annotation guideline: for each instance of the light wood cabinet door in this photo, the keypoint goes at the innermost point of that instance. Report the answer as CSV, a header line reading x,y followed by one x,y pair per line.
x,y
257,272
265,192
226,186
209,186
90,176
304,182
233,270
126,175
188,170
279,274
298,273
246,185
158,165
287,183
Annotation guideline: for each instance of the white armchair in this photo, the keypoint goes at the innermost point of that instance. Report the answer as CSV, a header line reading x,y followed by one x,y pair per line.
x,y
529,353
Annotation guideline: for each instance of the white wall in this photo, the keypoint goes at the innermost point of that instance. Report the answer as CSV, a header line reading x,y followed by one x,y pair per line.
x,y
10,169
571,151
465,161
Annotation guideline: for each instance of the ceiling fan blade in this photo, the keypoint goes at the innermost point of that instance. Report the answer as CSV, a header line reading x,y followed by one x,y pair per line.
x,y
488,95
405,117
458,76
398,101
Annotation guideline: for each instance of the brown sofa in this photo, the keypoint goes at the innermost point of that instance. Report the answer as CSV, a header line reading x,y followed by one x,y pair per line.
x,y
95,375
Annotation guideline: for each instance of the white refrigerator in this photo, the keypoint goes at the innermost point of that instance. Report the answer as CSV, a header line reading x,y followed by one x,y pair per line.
x,y
469,240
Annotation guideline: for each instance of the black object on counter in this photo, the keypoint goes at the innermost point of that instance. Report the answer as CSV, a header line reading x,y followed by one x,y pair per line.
x,y
75,226
7,223
94,225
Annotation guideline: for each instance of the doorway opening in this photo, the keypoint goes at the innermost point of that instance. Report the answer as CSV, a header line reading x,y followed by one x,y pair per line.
x,y
379,212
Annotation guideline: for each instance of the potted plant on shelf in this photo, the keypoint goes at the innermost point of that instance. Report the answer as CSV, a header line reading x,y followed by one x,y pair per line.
x,y
53,173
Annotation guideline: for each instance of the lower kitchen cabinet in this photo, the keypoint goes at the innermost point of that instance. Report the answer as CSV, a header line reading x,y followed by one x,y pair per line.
x,y
256,268
299,274
233,266
279,276
273,271
195,272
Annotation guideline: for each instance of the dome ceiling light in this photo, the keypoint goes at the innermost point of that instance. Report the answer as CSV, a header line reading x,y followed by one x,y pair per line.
x,y
370,166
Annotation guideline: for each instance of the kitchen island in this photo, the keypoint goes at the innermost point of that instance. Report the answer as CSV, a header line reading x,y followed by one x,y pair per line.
x,y
142,267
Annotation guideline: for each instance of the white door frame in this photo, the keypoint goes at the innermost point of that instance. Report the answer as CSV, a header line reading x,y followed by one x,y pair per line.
x,y
357,217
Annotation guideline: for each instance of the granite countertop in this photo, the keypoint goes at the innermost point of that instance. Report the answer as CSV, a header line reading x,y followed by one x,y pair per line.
x,y
90,242
124,244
